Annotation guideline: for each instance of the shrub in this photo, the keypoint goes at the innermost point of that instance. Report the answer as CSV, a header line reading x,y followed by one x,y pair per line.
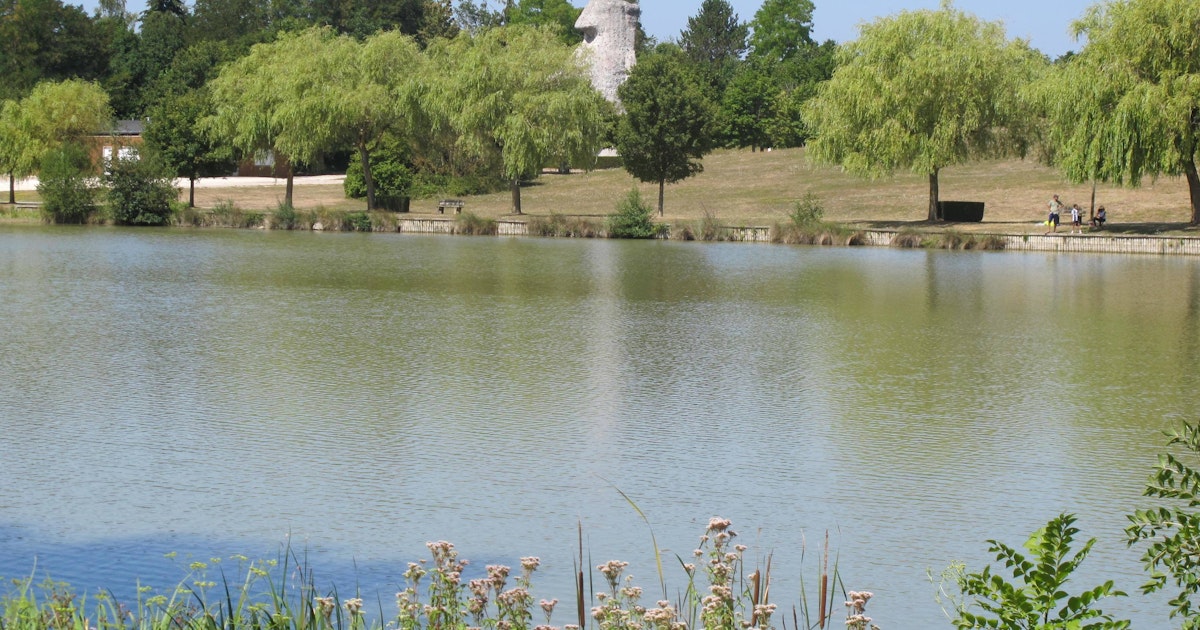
x,y
393,180
284,217
632,219
358,222
140,191
1036,597
808,212
710,229
66,187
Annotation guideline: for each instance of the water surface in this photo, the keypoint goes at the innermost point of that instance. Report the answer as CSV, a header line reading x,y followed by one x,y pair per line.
x,y
222,392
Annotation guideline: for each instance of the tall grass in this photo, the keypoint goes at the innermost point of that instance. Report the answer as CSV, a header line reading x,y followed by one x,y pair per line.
x,y
437,594
949,239
807,226
559,225
225,214
474,225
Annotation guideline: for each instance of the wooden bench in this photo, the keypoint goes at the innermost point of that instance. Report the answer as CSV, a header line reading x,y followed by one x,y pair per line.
x,y
456,204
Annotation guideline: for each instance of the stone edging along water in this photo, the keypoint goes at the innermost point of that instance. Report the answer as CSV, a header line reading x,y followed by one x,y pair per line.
x,y
1065,242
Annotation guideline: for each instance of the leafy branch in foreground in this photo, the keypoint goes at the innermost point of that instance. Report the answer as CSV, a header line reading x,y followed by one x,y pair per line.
x,y
1173,532
1036,597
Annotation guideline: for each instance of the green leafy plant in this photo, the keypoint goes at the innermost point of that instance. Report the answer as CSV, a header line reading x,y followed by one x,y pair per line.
x,y
140,191
1036,596
632,219
1172,531
285,217
808,212
358,222
393,180
66,187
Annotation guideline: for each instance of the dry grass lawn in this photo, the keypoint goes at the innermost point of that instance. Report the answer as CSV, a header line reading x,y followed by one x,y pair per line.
x,y
740,187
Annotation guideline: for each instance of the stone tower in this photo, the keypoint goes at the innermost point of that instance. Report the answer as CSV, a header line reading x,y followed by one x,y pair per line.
x,y
609,30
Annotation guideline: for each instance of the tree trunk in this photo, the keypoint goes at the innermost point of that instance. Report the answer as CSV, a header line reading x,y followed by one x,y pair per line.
x,y
368,179
662,184
1092,212
516,195
934,212
1193,180
287,196
12,189
191,192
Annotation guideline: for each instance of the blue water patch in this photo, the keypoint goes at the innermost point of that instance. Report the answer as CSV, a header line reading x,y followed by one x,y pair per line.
x,y
163,562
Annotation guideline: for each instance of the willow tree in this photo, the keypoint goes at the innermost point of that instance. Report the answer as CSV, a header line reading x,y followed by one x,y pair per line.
x,y
923,90
248,103
51,115
12,149
519,97
277,98
1128,106
382,85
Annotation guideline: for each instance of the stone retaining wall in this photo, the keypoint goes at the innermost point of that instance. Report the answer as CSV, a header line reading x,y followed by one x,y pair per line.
x,y
1066,242
1085,243
426,226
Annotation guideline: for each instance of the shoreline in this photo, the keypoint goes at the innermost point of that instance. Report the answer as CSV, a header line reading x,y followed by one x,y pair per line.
x,y
930,236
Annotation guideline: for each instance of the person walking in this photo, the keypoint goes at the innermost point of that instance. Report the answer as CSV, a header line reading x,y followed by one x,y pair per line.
x,y
1055,211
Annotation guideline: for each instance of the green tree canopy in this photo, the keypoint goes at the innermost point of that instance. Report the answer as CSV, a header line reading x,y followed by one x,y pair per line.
x,y
45,40
1128,106
667,126
58,113
380,84
923,90
174,138
782,29
12,147
533,106
559,15
242,22
349,94
475,17
715,42
256,107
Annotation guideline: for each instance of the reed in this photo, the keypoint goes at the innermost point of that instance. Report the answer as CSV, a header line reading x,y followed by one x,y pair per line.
x,y
564,226
285,217
385,221
474,225
909,239
224,214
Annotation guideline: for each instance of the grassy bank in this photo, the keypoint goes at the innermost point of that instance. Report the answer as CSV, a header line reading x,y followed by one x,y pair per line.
x,y
743,188
760,188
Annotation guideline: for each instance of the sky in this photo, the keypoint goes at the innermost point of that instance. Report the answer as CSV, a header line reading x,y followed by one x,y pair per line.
x,y
1045,23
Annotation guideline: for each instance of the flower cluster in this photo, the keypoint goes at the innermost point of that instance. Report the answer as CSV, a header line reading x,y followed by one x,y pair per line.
x,y
619,608
856,618
445,608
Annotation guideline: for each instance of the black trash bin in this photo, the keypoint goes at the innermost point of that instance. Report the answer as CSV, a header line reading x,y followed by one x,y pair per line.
x,y
961,211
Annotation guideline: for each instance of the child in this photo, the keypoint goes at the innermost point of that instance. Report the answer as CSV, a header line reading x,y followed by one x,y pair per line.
x,y
1076,219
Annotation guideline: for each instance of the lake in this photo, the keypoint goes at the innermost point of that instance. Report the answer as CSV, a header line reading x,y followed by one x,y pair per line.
x,y
354,396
